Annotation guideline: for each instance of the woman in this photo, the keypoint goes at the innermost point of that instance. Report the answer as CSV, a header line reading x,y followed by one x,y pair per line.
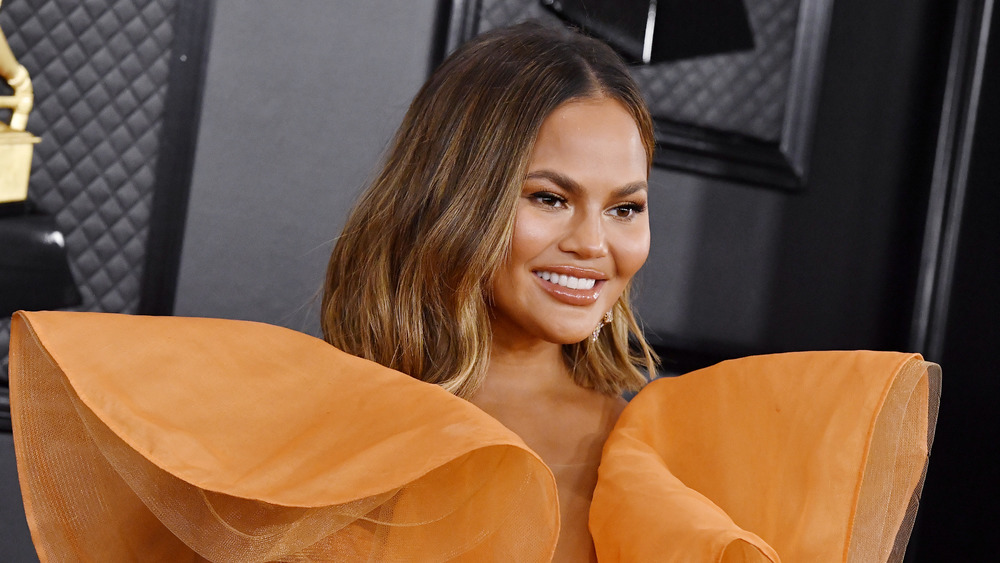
x,y
491,258
493,254
503,230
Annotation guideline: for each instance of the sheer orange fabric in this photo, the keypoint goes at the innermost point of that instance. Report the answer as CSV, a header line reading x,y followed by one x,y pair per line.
x,y
173,439
816,456
168,439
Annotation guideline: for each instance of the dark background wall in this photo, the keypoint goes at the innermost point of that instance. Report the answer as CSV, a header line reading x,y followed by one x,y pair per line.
x,y
846,241
300,99
960,500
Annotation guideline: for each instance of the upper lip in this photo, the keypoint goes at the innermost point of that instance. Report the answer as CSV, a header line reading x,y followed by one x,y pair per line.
x,y
574,271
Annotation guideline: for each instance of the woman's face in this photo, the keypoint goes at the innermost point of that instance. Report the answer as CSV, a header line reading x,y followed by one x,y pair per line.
x,y
581,230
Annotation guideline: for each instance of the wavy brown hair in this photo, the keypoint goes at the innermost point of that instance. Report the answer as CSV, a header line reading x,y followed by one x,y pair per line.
x,y
408,284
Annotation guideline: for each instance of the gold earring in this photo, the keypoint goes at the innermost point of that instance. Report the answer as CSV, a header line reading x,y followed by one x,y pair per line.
x,y
608,317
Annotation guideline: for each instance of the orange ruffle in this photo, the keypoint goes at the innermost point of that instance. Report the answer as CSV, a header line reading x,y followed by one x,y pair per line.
x,y
177,439
160,438
816,456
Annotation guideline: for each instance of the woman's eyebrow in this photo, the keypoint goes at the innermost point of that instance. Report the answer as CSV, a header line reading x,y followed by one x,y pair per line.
x,y
631,188
556,178
573,187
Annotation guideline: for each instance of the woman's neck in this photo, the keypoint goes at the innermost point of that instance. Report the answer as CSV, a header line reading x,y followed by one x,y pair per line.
x,y
523,366
529,389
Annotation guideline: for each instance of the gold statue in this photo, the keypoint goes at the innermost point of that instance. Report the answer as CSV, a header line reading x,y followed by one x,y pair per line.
x,y
16,144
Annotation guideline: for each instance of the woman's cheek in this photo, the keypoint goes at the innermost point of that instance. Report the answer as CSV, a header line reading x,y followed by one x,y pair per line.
x,y
633,252
533,231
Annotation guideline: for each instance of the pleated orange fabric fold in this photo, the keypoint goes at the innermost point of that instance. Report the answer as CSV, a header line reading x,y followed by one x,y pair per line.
x,y
816,456
159,438
180,439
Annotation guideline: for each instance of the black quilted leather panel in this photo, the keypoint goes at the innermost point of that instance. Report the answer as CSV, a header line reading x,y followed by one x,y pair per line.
x,y
99,69
739,92
742,92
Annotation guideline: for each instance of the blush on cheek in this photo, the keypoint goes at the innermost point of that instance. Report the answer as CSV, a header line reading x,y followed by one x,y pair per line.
x,y
632,255
534,232
532,226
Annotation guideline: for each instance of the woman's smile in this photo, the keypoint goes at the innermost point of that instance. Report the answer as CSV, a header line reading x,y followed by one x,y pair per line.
x,y
571,285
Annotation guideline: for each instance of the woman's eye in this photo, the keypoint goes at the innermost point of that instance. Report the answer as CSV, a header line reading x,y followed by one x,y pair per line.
x,y
627,211
548,199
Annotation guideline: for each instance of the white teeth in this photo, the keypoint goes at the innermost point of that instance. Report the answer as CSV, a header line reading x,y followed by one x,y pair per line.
x,y
567,281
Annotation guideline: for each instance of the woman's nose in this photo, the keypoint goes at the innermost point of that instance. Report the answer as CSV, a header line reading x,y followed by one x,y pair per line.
x,y
586,236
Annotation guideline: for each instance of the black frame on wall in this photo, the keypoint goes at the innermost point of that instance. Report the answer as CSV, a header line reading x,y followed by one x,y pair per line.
x,y
949,184
689,147
175,164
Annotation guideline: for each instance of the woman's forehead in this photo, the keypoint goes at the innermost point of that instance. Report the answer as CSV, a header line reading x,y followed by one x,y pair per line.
x,y
592,133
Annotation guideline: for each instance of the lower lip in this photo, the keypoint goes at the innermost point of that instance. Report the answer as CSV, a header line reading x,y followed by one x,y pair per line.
x,y
572,296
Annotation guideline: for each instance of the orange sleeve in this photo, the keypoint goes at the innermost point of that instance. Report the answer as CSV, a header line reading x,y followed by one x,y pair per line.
x,y
176,439
816,456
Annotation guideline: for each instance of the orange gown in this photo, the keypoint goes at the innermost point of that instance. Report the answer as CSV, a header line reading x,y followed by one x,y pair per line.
x,y
179,439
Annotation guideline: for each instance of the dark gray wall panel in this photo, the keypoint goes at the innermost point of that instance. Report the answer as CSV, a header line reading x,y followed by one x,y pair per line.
x,y
300,100
15,539
707,281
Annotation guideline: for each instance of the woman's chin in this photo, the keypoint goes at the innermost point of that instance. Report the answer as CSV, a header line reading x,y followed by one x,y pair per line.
x,y
568,337
542,329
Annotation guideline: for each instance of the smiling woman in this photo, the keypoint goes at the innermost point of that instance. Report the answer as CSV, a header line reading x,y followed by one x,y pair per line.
x,y
520,111
580,234
501,234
